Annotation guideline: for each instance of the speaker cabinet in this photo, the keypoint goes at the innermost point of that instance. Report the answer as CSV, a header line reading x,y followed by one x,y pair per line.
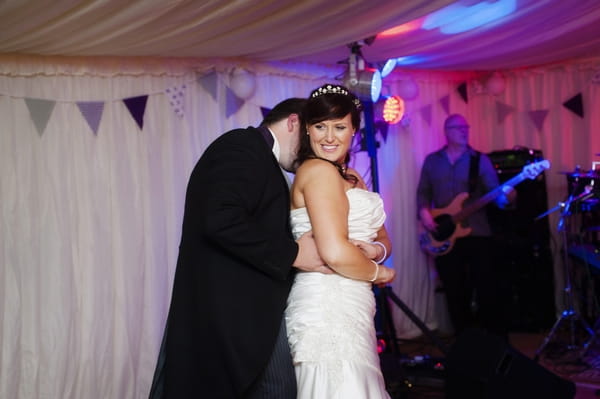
x,y
523,250
484,366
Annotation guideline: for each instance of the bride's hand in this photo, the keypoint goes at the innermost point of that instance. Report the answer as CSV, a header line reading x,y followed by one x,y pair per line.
x,y
386,275
371,251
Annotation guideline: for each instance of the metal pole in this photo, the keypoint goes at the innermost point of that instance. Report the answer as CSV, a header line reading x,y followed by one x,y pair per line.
x,y
371,143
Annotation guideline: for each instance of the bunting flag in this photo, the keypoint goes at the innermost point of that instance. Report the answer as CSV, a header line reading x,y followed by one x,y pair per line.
x,y
232,103
40,111
137,108
462,90
264,111
445,103
382,127
502,111
209,83
538,117
426,113
575,105
92,113
176,95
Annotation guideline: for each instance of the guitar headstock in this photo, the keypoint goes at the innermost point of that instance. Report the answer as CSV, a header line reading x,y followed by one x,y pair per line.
x,y
532,170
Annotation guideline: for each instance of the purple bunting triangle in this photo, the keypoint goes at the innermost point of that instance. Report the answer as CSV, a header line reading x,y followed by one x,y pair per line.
x,y
382,127
575,105
445,103
92,113
462,90
426,113
209,83
137,108
538,117
232,103
502,111
40,111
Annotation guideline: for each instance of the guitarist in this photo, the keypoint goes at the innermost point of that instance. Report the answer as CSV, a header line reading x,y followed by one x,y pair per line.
x,y
467,272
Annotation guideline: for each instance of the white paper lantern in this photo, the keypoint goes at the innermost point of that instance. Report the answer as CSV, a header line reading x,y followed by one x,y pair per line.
x,y
495,84
242,83
408,89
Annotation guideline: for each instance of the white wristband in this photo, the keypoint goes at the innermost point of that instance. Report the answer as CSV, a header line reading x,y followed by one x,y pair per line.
x,y
380,260
376,271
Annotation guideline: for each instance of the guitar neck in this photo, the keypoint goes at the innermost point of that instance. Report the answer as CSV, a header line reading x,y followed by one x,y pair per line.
x,y
487,198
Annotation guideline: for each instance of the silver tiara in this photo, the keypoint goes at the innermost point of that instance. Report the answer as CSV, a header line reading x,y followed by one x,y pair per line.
x,y
333,89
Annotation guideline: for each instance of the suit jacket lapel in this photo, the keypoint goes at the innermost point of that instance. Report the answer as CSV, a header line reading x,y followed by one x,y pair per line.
x,y
267,136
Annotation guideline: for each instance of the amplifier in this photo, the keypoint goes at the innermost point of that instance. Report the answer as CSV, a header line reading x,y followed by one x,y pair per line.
x,y
513,161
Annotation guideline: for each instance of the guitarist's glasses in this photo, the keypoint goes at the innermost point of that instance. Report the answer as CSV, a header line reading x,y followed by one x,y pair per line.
x,y
459,127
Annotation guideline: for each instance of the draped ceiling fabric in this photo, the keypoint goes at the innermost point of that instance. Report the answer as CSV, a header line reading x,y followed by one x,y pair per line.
x,y
90,213
318,31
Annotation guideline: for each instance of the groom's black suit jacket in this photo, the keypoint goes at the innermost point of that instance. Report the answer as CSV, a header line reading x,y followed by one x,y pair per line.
x,y
234,270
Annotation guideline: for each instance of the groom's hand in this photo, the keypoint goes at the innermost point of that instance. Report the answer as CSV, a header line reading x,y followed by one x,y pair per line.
x,y
308,258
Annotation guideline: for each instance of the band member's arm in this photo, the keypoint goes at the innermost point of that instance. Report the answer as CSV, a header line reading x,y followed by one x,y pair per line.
x,y
490,181
427,219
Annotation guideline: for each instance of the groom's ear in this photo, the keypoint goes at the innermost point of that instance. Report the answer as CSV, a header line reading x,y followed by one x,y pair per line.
x,y
293,122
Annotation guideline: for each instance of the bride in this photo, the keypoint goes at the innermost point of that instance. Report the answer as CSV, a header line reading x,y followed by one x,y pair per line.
x,y
329,317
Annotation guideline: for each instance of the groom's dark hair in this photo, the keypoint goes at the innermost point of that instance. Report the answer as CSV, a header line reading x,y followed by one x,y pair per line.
x,y
283,110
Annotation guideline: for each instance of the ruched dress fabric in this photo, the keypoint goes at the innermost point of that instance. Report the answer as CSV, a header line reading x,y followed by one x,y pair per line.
x,y
329,318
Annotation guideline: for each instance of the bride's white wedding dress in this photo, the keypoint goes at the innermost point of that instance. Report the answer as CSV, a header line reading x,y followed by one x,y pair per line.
x,y
330,318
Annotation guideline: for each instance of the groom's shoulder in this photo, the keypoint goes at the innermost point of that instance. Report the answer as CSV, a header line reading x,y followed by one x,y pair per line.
x,y
234,138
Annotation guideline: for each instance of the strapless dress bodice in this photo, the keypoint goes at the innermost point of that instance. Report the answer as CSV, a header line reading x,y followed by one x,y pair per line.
x,y
365,217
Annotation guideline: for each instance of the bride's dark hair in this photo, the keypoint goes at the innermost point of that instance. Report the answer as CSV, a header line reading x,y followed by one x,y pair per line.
x,y
328,102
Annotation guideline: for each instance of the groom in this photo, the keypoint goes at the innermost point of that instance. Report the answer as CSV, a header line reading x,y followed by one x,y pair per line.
x,y
225,335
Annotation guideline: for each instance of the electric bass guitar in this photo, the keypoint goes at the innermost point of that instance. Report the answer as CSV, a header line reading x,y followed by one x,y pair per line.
x,y
448,219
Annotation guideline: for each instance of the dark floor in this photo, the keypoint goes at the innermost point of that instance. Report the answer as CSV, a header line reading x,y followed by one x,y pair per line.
x,y
539,365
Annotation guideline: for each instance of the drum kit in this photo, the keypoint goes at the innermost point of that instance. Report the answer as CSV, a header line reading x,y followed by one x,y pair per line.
x,y
587,183
579,226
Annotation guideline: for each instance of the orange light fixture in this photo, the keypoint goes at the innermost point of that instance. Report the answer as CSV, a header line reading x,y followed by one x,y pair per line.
x,y
393,110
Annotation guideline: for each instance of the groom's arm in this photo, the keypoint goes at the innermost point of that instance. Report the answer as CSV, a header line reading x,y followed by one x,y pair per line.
x,y
308,258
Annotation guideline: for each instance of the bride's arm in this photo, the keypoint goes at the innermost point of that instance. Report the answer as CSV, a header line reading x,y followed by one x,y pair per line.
x,y
323,191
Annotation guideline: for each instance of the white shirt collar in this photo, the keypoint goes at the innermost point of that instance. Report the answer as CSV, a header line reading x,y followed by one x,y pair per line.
x,y
276,148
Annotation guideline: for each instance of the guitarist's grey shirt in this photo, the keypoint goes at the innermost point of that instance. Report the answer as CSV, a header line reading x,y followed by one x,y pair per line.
x,y
441,182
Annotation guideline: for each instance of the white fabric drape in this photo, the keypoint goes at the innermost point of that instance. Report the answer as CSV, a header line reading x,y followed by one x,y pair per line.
x,y
90,225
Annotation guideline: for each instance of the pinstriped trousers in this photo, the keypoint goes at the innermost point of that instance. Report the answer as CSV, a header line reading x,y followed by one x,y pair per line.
x,y
278,380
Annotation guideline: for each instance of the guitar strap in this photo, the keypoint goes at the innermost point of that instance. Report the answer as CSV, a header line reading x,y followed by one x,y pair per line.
x,y
473,171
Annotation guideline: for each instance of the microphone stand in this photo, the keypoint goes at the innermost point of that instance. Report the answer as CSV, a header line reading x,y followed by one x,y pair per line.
x,y
569,314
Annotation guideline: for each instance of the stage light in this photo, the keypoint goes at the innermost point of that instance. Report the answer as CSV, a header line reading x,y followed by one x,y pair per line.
x,y
363,81
393,110
388,67
366,84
